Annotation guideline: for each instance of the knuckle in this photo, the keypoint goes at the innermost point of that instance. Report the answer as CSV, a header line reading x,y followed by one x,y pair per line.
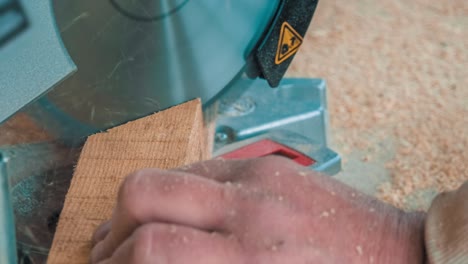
x,y
241,204
132,191
135,181
154,243
229,201
144,244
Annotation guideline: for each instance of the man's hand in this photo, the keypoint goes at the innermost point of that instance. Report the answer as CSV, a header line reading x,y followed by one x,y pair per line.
x,y
267,210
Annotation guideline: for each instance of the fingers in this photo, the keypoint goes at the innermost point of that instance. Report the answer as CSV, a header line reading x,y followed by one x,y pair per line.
x,y
223,170
274,174
183,198
445,219
154,195
165,243
220,170
101,232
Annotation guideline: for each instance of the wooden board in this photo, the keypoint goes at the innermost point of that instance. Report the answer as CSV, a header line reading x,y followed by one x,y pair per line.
x,y
168,139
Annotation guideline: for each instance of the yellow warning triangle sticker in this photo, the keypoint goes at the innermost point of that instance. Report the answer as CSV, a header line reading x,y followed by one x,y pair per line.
x,y
288,44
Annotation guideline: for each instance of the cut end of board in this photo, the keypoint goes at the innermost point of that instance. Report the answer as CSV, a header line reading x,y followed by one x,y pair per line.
x,y
165,140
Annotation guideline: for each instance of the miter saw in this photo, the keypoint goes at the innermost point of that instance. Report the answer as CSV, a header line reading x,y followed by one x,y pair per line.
x,y
80,67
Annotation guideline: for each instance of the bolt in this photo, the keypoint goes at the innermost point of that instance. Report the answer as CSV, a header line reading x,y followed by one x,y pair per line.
x,y
221,137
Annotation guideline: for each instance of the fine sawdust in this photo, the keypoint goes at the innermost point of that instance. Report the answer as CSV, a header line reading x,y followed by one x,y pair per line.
x,y
397,70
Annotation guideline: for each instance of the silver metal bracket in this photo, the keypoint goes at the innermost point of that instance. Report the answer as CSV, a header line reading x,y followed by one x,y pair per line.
x,y
295,112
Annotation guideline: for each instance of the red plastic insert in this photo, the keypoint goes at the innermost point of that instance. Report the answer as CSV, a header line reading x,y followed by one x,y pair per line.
x,y
266,147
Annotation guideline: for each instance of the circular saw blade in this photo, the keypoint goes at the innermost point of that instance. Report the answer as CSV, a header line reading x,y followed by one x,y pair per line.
x,y
138,57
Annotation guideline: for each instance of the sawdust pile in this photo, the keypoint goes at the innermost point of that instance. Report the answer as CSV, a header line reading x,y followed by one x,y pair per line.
x,y
397,70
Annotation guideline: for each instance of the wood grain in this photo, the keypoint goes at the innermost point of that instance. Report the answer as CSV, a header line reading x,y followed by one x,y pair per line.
x,y
168,139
